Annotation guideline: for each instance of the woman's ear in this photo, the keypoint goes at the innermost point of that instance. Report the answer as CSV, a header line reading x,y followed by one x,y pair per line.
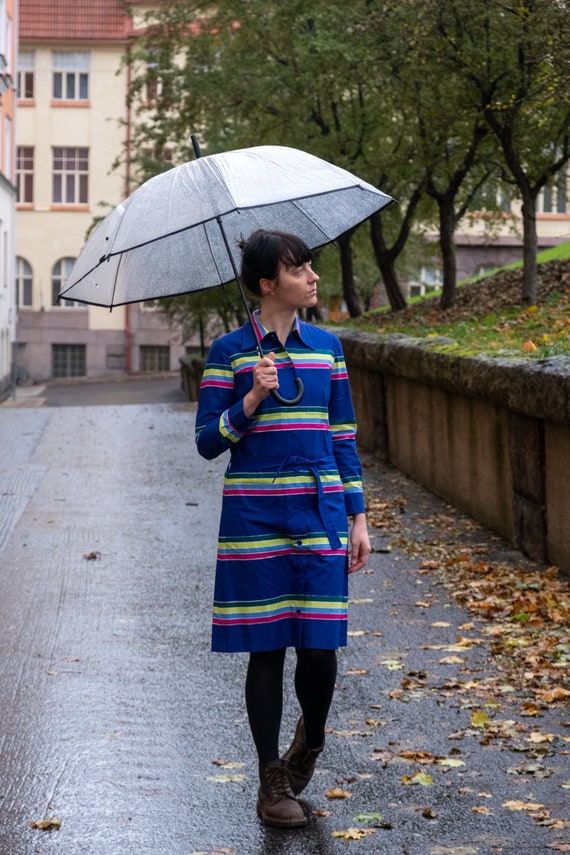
x,y
267,286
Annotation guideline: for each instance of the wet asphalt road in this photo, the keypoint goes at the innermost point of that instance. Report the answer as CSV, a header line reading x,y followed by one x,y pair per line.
x,y
119,722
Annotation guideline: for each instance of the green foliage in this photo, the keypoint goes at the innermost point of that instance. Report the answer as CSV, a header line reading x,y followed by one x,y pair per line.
x,y
441,104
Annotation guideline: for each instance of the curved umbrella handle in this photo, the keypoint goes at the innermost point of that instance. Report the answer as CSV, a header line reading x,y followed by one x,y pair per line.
x,y
292,401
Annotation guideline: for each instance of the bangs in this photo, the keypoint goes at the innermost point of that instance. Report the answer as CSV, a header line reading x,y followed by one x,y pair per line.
x,y
294,251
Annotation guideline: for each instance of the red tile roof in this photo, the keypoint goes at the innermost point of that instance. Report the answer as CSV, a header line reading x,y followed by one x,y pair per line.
x,y
77,20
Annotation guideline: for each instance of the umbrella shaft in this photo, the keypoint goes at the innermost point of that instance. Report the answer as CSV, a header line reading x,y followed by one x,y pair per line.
x,y
241,288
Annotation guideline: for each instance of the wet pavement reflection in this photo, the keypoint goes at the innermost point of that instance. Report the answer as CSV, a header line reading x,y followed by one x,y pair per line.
x,y
116,718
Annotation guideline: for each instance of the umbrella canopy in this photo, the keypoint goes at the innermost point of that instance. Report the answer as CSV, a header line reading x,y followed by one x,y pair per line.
x,y
177,232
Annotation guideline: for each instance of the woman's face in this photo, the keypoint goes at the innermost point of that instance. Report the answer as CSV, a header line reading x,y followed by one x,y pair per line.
x,y
295,287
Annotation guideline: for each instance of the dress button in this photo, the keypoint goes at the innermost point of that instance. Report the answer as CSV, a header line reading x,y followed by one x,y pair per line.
x,y
298,543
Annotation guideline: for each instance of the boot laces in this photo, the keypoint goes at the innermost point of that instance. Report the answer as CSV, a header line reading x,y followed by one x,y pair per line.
x,y
278,782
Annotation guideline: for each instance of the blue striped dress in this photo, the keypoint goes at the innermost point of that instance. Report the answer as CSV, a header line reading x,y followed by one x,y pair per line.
x,y
293,478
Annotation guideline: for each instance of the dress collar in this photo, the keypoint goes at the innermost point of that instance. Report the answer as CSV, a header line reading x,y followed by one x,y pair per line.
x,y
300,328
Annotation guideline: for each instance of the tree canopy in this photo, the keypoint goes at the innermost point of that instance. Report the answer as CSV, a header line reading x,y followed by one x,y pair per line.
x,y
431,101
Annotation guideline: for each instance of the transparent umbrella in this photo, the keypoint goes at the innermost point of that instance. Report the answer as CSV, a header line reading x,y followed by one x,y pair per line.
x,y
178,232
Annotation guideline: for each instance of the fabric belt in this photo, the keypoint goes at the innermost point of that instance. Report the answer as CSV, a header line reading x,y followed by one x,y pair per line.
x,y
291,461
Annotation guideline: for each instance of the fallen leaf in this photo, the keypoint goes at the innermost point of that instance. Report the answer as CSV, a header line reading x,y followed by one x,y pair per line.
x,y
484,810
354,833
420,778
450,762
539,738
452,660
322,812
92,556
517,805
560,846
479,719
391,664
428,813
551,695
227,764
46,824
226,779
337,793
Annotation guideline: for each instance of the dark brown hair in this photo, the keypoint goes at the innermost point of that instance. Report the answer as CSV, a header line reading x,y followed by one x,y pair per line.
x,y
263,250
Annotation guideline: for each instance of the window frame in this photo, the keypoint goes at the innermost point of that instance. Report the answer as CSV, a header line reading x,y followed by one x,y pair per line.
x,y
70,77
25,180
70,182
24,283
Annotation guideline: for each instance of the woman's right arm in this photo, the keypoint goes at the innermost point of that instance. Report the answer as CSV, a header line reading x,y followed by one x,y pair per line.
x,y
221,420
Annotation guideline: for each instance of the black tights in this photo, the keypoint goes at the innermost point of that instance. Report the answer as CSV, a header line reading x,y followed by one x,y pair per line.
x,y
315,676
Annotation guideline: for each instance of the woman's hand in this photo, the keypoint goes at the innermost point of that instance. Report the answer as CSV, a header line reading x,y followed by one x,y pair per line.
x,y
264,380
359,544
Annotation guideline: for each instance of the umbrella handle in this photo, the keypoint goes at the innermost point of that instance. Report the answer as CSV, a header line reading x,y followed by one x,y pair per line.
x,y
290,402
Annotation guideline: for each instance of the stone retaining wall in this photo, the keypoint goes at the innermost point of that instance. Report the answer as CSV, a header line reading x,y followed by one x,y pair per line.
x,y
491,436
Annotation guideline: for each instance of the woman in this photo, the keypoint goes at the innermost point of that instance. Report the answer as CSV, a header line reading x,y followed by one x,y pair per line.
x,y
293,479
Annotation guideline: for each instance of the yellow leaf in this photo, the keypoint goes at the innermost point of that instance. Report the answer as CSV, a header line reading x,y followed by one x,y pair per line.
x,y
479,719
337,793
450,762
516,805
226,779
538,737
451,660
484,810
391,664
354,833
420,778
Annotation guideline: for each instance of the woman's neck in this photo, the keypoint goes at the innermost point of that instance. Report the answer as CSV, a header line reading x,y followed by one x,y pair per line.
x,y
281,323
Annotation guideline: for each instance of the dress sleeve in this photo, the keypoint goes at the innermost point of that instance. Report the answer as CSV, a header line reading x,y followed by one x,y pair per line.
x,y
343,429
220,420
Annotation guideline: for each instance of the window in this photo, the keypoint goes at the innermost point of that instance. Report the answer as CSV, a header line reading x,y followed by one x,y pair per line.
x,y
430,279
553,200
25,175
59,274
70,76
153,83
70,176
155,358
24,280
8,150
26,74
68,360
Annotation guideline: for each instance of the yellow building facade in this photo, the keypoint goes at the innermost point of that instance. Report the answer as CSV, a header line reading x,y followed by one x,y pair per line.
x,y
73,125
8,317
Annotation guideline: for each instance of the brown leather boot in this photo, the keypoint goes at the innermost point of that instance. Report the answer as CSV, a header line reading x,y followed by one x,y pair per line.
x,y
300,759
276,802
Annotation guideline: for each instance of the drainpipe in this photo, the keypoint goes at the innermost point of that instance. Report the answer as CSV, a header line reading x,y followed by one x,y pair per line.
x,y
128,335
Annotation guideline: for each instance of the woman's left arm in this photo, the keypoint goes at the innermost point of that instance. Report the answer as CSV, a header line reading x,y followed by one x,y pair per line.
x,y
359,544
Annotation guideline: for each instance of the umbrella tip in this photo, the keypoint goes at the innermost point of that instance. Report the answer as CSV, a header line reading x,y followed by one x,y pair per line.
x,y
196,145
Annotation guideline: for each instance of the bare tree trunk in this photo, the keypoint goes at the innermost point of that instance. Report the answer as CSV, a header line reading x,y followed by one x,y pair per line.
x,y
447,243
385,262
530,245
348,285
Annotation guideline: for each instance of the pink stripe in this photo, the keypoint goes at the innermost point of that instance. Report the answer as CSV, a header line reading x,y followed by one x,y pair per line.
x,y
253,556
272,618
219,384
293,425
275,491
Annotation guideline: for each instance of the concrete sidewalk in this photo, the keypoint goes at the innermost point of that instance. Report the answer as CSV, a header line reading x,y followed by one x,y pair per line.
x,y
120,724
